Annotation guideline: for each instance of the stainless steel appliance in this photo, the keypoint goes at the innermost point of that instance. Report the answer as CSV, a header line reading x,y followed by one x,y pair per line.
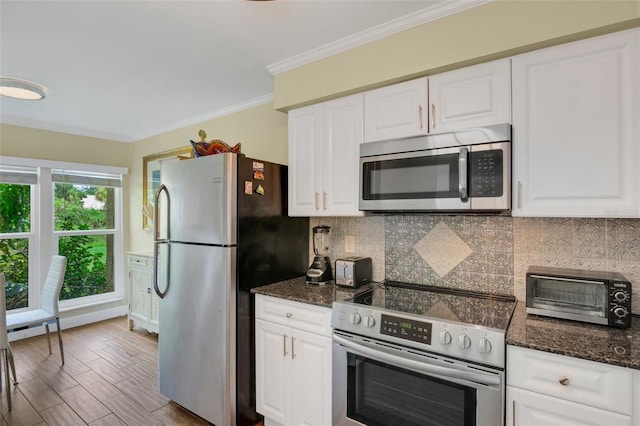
x,y
467,170
597,297
420,355
320,270
221,228
353,271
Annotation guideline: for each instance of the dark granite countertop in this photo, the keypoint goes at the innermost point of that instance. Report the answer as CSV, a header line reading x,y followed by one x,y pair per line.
x,y
298,290
580,340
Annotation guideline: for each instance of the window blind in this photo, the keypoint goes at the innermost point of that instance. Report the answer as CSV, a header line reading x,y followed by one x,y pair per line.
x,y
86,178
18,174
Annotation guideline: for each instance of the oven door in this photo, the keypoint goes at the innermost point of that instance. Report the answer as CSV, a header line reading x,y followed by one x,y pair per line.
x,y
385,384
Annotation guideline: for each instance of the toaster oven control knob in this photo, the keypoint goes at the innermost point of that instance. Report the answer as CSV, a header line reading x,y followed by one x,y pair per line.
x,y
370,321
620,296
464,341
620,312
445,337
484,346
355,318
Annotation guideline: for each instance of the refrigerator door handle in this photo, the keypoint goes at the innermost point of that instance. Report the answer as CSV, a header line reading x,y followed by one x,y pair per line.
x,y
157,240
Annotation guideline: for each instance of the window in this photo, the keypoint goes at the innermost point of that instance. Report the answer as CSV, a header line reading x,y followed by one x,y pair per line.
x,y
16,236
58,208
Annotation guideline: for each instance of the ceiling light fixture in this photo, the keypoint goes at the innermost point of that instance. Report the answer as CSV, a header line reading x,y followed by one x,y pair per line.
x,y
21,89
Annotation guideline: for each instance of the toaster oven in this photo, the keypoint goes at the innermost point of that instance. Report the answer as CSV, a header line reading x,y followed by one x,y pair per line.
x,y
590,296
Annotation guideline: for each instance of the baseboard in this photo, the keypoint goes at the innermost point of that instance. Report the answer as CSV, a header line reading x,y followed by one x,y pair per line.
x,y
72,321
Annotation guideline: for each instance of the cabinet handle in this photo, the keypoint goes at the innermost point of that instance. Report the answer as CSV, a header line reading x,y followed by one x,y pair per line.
x,y
564,381
293,354
433,116
519,194
513,413
420,115
289,314
317,195
324,200
284,345
148,290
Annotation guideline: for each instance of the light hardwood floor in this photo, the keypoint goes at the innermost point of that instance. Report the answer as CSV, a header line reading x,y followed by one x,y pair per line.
x,y
110,377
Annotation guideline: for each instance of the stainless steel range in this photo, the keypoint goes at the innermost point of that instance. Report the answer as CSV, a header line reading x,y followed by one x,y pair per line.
x,y
420,355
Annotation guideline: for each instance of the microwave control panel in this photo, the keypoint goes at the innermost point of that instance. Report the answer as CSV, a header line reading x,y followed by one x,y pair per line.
x,y
486,173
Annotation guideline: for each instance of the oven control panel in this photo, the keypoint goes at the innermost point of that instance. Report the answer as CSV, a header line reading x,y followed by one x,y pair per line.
x,y
404,328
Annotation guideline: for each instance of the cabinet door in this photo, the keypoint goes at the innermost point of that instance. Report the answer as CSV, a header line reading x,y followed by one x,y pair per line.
x,y
576,129
273,371
396,111
526,408
140,278
474,96
341,154
311,379
305,160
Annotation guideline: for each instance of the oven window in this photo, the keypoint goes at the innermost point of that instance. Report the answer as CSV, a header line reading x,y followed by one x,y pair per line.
x,y
434,176
583,298
380,395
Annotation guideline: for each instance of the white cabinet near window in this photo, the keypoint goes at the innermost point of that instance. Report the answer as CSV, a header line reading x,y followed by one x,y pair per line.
x,y
143,301
475,96
293,362
324,150
550,389
396,111
576,129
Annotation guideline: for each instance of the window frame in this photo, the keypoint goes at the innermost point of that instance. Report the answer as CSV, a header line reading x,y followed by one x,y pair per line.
x,y
44,238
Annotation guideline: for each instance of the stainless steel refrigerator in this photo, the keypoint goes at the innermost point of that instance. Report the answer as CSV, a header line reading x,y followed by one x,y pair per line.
x,y
220,229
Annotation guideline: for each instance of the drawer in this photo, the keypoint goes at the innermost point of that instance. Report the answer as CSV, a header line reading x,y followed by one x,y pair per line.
x,y
586,382
312,318
139,260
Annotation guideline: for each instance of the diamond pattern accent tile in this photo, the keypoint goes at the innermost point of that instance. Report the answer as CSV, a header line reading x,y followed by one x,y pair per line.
x,y
442,249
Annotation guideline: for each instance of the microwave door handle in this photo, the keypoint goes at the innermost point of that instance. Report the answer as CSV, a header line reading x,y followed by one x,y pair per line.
x,y
463,189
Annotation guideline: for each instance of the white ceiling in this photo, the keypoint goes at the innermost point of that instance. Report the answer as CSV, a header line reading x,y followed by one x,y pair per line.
x,y
127,70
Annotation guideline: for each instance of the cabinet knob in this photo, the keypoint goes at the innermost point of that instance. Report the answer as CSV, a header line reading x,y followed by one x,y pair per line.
x,y
289,314
564,381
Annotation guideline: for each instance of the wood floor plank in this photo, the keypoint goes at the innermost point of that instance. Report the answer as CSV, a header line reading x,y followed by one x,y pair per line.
x,y
173,414
84,404
55,376
145,394
61,415
131,412
40,394
107,370
110,420
97,385
22,412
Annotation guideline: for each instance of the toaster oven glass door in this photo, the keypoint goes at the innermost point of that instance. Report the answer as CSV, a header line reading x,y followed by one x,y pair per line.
x,y
582,297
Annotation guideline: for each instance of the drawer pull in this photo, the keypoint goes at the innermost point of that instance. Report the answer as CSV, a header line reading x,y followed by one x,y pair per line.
x,y
289,314
284,345
564,381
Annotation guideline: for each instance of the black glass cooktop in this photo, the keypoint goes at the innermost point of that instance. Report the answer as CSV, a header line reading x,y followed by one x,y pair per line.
x,y
445,304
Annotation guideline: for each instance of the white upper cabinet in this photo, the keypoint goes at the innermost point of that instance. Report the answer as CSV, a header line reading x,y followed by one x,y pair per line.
x,y
576,129
478,95
474,96
324,151
396,111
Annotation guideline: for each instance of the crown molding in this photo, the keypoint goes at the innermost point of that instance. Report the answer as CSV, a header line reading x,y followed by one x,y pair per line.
x,y
428,14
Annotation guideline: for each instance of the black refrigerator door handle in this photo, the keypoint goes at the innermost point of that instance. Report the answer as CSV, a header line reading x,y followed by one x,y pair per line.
x,y
157,241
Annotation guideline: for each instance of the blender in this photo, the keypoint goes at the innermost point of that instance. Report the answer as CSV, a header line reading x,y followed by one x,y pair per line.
x,y
320,270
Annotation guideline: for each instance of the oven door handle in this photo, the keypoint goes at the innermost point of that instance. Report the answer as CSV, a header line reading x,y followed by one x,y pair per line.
x,y
485,379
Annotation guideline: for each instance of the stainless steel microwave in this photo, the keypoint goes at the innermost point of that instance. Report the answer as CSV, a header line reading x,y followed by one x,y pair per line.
x,y
467,170
598,297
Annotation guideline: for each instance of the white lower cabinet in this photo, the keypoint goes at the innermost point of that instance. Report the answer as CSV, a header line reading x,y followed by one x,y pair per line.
x,y
293,362
143,301
555,390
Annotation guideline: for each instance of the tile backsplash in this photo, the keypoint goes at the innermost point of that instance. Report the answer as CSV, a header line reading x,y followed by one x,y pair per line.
x,y
486,253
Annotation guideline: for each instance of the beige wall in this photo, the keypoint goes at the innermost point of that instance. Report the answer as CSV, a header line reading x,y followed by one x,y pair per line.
x,y
261,130
497,29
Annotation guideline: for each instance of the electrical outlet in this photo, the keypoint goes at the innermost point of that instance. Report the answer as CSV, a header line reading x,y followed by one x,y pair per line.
x,y
349,244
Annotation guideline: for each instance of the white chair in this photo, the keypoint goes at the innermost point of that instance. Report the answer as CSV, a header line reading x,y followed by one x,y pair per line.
x,y
5,348
48,312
